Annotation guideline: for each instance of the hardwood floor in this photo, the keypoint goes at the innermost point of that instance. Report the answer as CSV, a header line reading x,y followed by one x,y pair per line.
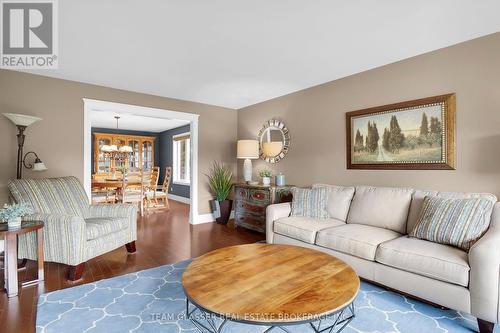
x,y
163,238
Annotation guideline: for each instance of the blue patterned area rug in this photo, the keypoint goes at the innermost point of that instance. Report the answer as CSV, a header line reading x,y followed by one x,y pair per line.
x,y
153,301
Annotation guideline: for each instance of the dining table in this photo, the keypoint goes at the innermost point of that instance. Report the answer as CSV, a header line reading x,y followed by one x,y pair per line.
x,y
109,183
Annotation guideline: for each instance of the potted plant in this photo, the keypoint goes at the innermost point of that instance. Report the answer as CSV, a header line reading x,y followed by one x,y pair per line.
x,y
12,214
266,177
220,182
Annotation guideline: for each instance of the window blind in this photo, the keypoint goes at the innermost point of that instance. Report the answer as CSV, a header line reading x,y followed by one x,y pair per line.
x,y
181,137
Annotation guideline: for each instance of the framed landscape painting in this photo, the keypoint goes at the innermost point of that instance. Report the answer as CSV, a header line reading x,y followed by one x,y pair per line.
x,y
417,134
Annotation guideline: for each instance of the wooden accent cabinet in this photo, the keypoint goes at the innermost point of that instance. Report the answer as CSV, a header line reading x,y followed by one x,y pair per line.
x,y
142,146
251,201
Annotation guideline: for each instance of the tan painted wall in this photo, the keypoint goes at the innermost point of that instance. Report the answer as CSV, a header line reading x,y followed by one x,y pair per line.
x,y
316,119
314,116
58,138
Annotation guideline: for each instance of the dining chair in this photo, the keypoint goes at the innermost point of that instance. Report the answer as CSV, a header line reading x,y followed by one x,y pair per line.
x,y
132,190
153,185
162,193
103,196
147,180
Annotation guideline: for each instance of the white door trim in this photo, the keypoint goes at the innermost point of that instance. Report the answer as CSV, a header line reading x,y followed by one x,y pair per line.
x,y
92,104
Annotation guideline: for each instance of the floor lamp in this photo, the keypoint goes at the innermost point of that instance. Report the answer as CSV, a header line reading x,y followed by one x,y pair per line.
x,y
22,122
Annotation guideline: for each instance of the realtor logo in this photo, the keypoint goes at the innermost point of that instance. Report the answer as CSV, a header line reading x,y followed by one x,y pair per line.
x,y
29,34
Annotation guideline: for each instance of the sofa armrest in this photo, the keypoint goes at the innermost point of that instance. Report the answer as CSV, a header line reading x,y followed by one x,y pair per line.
x,y
65,239
273,213
484,261
118,210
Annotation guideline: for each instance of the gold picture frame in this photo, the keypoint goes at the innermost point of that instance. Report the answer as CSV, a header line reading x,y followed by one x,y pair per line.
x,y
418,134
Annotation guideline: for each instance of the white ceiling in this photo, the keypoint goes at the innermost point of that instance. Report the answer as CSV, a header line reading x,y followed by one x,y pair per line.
x,y
235,53
104,119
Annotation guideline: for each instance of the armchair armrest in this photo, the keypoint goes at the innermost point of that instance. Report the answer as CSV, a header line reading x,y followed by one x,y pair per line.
x,y
118,210
273,213
484,261
64,239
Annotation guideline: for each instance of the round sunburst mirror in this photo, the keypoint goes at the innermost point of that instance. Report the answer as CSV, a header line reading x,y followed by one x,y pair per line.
x,y
274,141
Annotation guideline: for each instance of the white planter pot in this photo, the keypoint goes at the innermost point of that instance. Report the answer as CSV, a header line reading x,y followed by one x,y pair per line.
x,y
266,181
14,223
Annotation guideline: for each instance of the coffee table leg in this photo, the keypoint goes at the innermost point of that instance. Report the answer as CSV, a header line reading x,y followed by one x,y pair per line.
x,y
11,265
276,327
202,327
341,320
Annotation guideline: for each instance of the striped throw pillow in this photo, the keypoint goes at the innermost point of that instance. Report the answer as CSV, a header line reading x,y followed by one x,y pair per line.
x,y
456,222
310,202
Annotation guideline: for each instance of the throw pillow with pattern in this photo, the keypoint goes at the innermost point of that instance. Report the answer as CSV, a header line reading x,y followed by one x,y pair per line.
x,y
456,222
310,202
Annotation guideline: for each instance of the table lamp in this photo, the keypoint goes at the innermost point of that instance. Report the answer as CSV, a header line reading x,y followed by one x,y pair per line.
x,y
248,150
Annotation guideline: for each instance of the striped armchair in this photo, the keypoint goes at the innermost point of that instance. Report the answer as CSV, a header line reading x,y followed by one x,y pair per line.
x,y
74,231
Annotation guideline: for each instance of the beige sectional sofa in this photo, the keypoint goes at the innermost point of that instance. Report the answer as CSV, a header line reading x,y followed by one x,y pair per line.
x,y
368,230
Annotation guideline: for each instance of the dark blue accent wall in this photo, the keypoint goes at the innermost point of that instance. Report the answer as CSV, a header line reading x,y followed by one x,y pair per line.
x,y
125,132
166,159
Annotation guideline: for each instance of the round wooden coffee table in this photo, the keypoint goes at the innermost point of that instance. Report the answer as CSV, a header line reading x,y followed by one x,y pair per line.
x,y
270,285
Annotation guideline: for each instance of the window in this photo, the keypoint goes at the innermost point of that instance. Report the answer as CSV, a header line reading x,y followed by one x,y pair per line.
x,y
182,159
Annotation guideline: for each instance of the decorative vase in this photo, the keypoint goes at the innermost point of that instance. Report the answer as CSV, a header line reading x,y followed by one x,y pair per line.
x,y
225,211
266,181
14,223
280,179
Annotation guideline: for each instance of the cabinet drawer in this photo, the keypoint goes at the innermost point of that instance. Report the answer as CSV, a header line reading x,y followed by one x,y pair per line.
x,y
240,193
257,195
250,207
251,222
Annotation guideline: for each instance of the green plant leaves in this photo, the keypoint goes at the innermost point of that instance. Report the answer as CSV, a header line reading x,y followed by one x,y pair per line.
x,y
220,180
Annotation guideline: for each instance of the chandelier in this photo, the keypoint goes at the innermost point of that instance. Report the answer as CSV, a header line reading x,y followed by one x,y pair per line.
x,y
117,153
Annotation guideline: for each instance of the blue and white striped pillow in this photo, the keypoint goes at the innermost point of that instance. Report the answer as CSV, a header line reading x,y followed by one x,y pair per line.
x,y
310,202
456,222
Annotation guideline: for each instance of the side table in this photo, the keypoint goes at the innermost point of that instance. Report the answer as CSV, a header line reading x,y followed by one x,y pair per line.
x,y
10,266
251,202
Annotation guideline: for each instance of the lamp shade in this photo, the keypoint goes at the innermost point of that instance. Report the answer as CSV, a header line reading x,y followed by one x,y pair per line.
x,y
109,148
272,148
39,166
248,149
125,149
21,119
105,148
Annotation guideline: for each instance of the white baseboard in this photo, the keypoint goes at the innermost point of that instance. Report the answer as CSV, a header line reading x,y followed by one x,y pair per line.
x,y
208,218
179,198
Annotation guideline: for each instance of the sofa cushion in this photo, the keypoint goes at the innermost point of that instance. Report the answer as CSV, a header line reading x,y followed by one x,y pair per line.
x,y
303,228
103,226
383,207
355,239
437,261
456,222
339,200
418,200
